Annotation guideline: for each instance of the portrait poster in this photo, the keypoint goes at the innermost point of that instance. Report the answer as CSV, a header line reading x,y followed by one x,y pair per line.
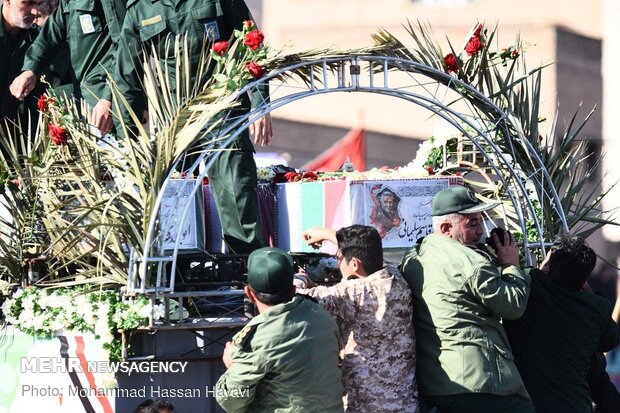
x,y
399,209
176,197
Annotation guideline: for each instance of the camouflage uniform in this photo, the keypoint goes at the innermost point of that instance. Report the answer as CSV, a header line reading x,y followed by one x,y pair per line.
x,y
376,339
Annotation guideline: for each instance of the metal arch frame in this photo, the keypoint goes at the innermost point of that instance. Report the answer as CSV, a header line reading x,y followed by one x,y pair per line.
x,y
496,117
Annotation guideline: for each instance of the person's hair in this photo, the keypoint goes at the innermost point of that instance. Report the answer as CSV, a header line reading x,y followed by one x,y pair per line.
x,y
361,242
47,7
154,406
454,219
571,261
272,299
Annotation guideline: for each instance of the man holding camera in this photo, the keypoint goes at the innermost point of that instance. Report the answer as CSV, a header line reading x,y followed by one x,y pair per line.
x,y
460,294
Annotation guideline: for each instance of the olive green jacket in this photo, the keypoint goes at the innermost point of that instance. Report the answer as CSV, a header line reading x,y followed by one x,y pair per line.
x,y
284,360
92,30
459,299
152,24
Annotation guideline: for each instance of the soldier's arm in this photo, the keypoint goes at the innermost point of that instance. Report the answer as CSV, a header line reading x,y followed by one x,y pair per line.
x,y
48,43
235,13
236,388
503,291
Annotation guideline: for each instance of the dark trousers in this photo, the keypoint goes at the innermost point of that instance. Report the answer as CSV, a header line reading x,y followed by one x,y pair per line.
x,y
480,403
233,181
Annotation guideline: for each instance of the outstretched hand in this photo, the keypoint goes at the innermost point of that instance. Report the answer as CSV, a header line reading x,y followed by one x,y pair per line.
x,y
23,84
315,236
262,130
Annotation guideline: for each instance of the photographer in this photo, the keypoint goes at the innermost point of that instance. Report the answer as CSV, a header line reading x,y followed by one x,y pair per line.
x,y
460,295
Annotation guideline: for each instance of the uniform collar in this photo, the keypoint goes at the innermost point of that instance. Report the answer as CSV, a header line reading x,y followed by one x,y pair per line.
x,y
277,310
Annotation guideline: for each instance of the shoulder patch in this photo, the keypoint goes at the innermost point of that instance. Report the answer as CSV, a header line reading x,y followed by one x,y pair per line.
x,y
243,336
152,20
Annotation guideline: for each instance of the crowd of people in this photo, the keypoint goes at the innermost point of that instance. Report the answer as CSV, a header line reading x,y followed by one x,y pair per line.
x,y
457,327
81,42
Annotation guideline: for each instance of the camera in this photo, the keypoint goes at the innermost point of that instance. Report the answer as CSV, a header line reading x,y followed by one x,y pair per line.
x,y
500,236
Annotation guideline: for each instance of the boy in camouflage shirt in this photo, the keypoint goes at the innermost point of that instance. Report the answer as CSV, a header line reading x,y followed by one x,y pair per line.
x,y
373,310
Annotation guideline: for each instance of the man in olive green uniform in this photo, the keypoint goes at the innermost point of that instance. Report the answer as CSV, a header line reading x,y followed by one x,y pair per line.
x,y
61,77
92,29
286,358
460,295
148,24
16,35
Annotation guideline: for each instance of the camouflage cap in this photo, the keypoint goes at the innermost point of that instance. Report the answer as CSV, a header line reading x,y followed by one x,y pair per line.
x,y
270,271
458,199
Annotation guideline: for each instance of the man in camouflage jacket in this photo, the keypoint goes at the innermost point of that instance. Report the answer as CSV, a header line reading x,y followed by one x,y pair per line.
x,y
372,307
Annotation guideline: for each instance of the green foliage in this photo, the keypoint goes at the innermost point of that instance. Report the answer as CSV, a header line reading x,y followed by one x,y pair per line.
x,y
500,74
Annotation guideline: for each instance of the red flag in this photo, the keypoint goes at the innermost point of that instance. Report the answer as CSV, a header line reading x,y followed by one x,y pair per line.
x,y
352,146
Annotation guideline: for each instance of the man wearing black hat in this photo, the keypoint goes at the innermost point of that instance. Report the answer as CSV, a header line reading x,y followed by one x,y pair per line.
x,y
460,295
286,358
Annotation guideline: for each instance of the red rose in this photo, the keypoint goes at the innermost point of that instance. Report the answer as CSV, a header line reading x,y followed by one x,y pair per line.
x,y
473,45
254,39
514,54
255,70
58,134
220,48
205,180
451,63
310,176
430,170
292,176
478,30
41,104
248,24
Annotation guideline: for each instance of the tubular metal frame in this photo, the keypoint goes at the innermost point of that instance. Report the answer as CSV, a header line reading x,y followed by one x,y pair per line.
x,y
377,75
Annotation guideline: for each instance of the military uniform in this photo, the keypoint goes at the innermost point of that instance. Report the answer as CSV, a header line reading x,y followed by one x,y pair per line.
x,y
12,51
459,298
92,30
148,24
284,360
377,340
